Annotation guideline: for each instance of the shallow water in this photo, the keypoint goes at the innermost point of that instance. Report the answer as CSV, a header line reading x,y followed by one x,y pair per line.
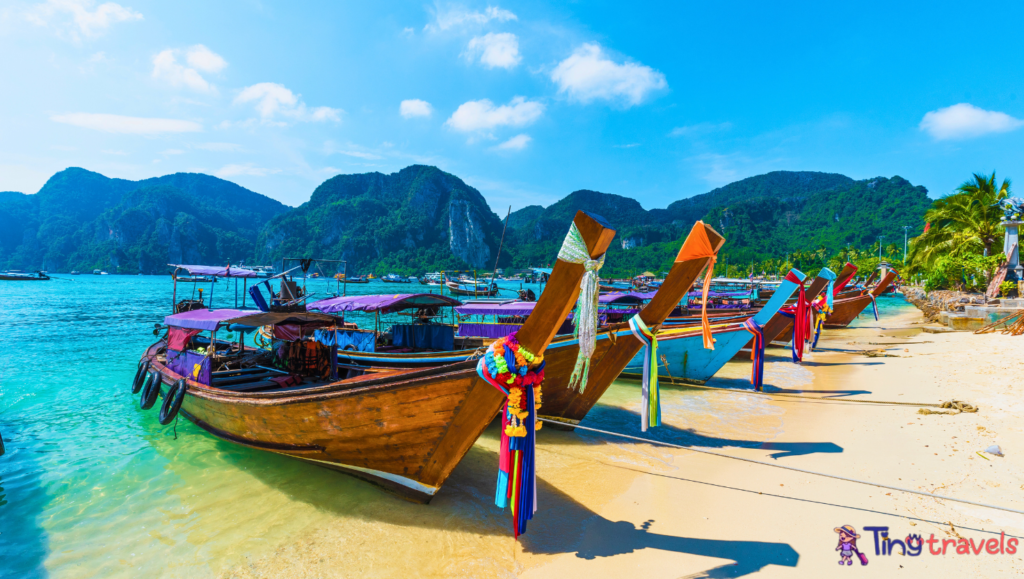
x,y
91,486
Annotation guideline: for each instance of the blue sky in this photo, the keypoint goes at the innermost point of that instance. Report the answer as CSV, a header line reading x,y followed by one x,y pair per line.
x,y
526,101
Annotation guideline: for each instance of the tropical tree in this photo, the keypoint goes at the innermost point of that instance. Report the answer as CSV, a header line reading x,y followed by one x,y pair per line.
x,y
963,222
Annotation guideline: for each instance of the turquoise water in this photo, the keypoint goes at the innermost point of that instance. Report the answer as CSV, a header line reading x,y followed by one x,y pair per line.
x,y
91,486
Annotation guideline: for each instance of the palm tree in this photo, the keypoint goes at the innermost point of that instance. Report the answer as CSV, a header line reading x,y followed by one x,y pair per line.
x,y
964,221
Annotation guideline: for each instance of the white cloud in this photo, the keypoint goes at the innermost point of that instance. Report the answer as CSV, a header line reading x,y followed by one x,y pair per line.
x,y
172,152
415,108
499,50
516,143
167,69
219,147
127,125
457,17
482,115
113,152
588,75
246,169
699,129
964,121
361,155
272,99
204,59
84,22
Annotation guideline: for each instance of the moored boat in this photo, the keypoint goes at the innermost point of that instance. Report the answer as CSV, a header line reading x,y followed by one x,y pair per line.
x,y
845,310
19,276
402,429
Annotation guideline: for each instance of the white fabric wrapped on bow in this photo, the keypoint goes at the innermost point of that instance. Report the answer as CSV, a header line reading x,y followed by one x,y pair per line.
x,y
574,250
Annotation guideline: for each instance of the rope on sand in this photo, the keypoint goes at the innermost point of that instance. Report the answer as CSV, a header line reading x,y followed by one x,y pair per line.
x,y
954,407
792,468
824,399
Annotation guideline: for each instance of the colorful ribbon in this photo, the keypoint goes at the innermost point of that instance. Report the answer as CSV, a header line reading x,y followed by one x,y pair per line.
x,y
696,246
874,305
512,369
650,414
756,354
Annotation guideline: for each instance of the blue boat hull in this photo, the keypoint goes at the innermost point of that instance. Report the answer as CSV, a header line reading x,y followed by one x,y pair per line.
x,y
684,358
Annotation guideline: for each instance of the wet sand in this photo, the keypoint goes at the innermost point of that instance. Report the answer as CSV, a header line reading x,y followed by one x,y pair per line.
x,y
613,508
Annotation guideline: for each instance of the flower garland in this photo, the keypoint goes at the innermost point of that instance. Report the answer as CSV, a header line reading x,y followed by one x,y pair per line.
x,y
519,374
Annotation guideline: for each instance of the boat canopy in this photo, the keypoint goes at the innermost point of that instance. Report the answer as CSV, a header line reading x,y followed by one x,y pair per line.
x,y
543,270
509,308
517,308
206,320
216,270
625,297
210,320
384,304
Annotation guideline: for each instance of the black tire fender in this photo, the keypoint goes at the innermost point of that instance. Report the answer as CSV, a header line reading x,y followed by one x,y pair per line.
x,y
151,391
140,375
172,402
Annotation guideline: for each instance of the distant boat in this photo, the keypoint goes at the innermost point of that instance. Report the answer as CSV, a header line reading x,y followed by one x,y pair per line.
x,y
351,279
471,289
19,276
395,278
74,272
96,272
431,279
194,279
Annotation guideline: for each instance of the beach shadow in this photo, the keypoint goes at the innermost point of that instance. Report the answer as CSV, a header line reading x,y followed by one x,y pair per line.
x,y
623,421
601,538
466,505
828,393
23,541
828,364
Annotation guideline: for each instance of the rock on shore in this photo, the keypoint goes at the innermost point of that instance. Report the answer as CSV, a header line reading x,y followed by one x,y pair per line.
x,y
931,303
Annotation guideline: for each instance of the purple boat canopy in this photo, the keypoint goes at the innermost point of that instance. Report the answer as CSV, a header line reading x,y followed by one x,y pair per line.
x,y
381,303
625,297
516,308
216,270
205,319
510,308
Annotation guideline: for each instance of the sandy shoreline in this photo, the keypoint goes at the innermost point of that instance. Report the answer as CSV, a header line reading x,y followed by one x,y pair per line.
x,y
610,508
719,518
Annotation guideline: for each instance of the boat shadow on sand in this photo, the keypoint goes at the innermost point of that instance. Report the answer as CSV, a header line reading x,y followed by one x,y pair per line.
x,y
624,421
465,505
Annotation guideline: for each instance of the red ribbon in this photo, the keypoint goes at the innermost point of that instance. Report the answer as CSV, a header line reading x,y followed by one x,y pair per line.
x,y
801,318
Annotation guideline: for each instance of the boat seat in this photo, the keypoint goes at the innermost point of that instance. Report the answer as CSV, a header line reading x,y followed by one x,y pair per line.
x,y
245,378
250,386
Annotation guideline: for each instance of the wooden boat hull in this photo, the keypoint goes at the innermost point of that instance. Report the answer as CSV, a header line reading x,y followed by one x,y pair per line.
x,y
404,435
846,310
686,359
472,293
4,277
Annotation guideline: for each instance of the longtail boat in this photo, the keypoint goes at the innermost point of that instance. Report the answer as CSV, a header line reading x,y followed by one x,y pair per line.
x,y
19,276
685,359
845,310
782,330
616,346
402,429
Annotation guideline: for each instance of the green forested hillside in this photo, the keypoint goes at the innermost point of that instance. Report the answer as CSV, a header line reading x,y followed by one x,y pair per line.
x,y
762,217
423,219
418,219
81,220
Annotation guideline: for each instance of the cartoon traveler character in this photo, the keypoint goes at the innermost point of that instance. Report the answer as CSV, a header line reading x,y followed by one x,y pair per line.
x,y
848,545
